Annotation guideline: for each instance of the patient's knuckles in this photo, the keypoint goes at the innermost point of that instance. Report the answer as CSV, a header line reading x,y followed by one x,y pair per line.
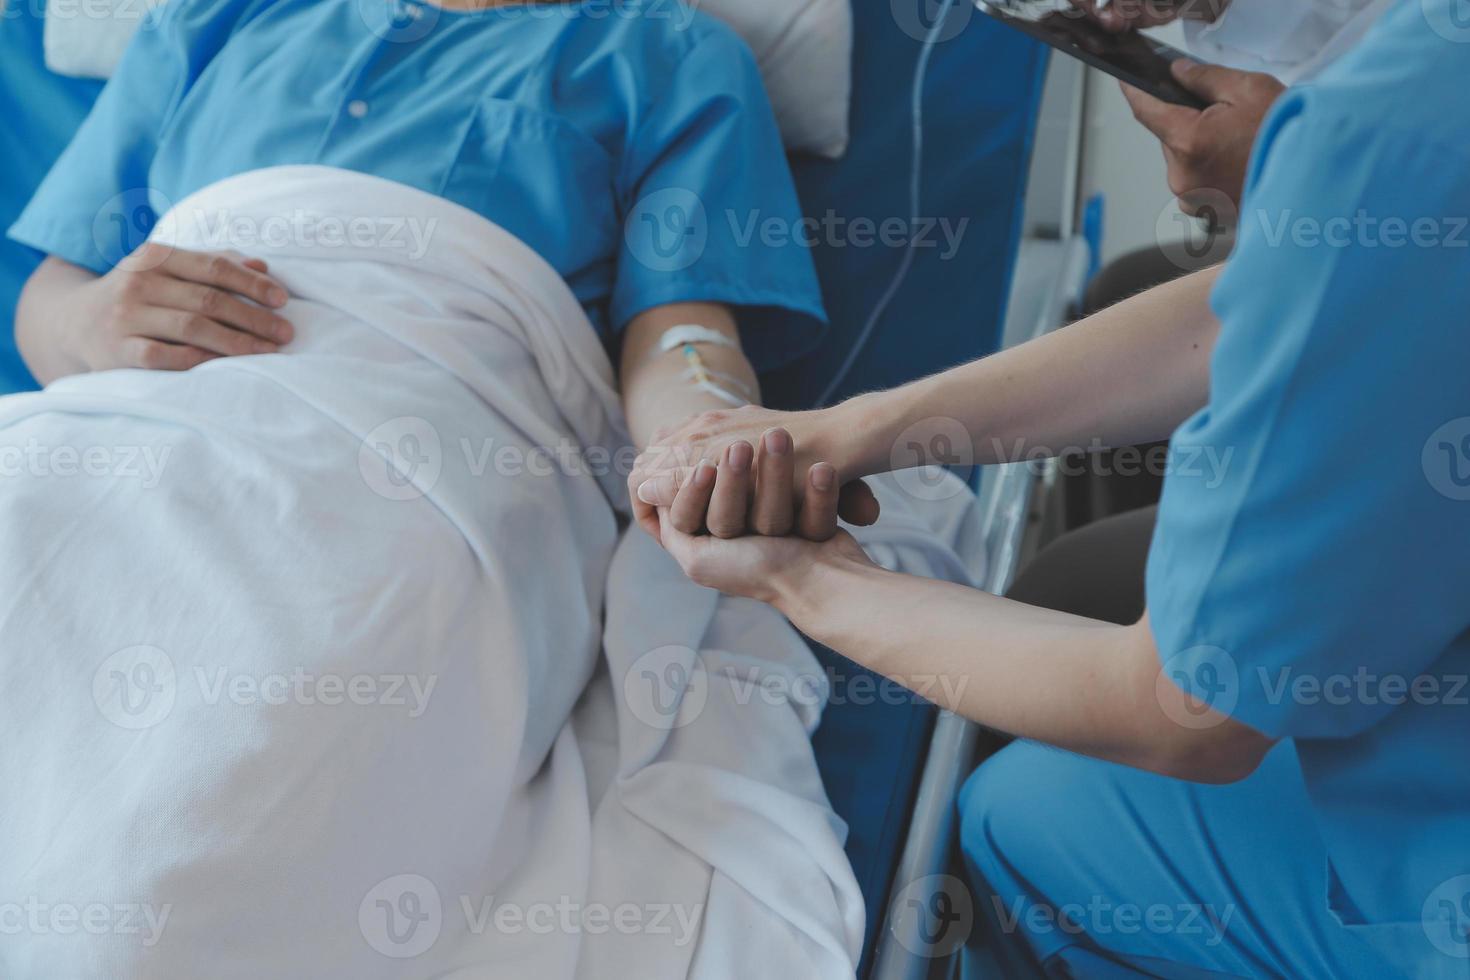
x,y
218,268
771,525
192,327
726,530
132,289
211,303
151,355
685,523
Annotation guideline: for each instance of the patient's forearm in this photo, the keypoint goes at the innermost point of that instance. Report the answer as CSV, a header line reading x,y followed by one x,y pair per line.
x,y
45,320
1127,375
1076,683
656,391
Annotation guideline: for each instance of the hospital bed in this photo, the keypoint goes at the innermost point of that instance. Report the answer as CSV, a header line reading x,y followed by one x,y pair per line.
x,y
999,145
1001,134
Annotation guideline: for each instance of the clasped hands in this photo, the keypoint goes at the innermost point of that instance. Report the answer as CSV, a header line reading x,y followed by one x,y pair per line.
x,y
747,500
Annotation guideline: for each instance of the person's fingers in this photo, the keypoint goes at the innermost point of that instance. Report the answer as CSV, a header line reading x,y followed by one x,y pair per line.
x,y
1169,122
196,330
690,506
219,306
857,505
731,500
157,355
774,509
1214,83
678,544
214,269
646,516
818,520
660,491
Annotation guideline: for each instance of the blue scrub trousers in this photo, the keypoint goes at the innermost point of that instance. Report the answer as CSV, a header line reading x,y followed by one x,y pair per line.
x,y
1082,868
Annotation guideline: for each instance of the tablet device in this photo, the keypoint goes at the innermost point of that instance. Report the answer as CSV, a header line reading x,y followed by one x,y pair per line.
x,y
1138,60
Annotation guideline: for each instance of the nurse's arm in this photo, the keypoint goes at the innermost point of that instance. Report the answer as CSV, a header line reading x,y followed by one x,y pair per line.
x,y
1090,687
1080,684
1129,374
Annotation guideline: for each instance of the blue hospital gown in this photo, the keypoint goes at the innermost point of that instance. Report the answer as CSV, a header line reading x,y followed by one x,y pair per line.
x,y
629,144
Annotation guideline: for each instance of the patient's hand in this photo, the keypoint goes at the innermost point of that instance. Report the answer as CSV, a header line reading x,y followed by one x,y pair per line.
x,y
770,569
160,308
758,467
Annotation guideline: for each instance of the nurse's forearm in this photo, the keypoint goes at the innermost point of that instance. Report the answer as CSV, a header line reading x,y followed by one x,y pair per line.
x,y
1075,683
656,391
1127,375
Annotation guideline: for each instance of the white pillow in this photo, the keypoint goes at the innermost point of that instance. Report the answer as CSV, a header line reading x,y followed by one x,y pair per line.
x,y
804,48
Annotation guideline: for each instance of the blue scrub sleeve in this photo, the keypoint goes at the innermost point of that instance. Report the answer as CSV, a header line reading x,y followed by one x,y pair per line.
x,y
95,205
710,208
1311,555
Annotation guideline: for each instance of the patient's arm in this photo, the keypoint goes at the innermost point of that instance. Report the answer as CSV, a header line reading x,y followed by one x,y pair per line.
x,y
161,308
655,393
1126,375
657,396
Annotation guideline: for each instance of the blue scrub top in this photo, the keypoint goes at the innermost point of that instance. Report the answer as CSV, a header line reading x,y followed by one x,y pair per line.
x,y
1310,574
631,145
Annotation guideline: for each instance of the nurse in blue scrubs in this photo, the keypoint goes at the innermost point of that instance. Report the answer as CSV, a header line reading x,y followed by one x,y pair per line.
x,y
1265,774
612,139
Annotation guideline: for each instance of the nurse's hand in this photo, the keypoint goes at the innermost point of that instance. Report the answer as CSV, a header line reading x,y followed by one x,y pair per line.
x,y
1207,150
770,569
760,462
169,309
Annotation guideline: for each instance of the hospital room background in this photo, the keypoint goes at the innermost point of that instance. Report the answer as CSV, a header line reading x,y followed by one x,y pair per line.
x,y
797,819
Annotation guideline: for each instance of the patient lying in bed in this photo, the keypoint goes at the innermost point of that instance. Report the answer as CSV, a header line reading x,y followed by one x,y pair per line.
x,y
304,696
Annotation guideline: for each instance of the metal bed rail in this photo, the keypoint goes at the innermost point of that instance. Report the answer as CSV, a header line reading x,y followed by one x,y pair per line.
x,y
926,915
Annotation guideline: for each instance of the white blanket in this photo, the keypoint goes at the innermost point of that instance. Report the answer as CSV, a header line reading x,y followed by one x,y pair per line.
x,y
289,645
291,648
